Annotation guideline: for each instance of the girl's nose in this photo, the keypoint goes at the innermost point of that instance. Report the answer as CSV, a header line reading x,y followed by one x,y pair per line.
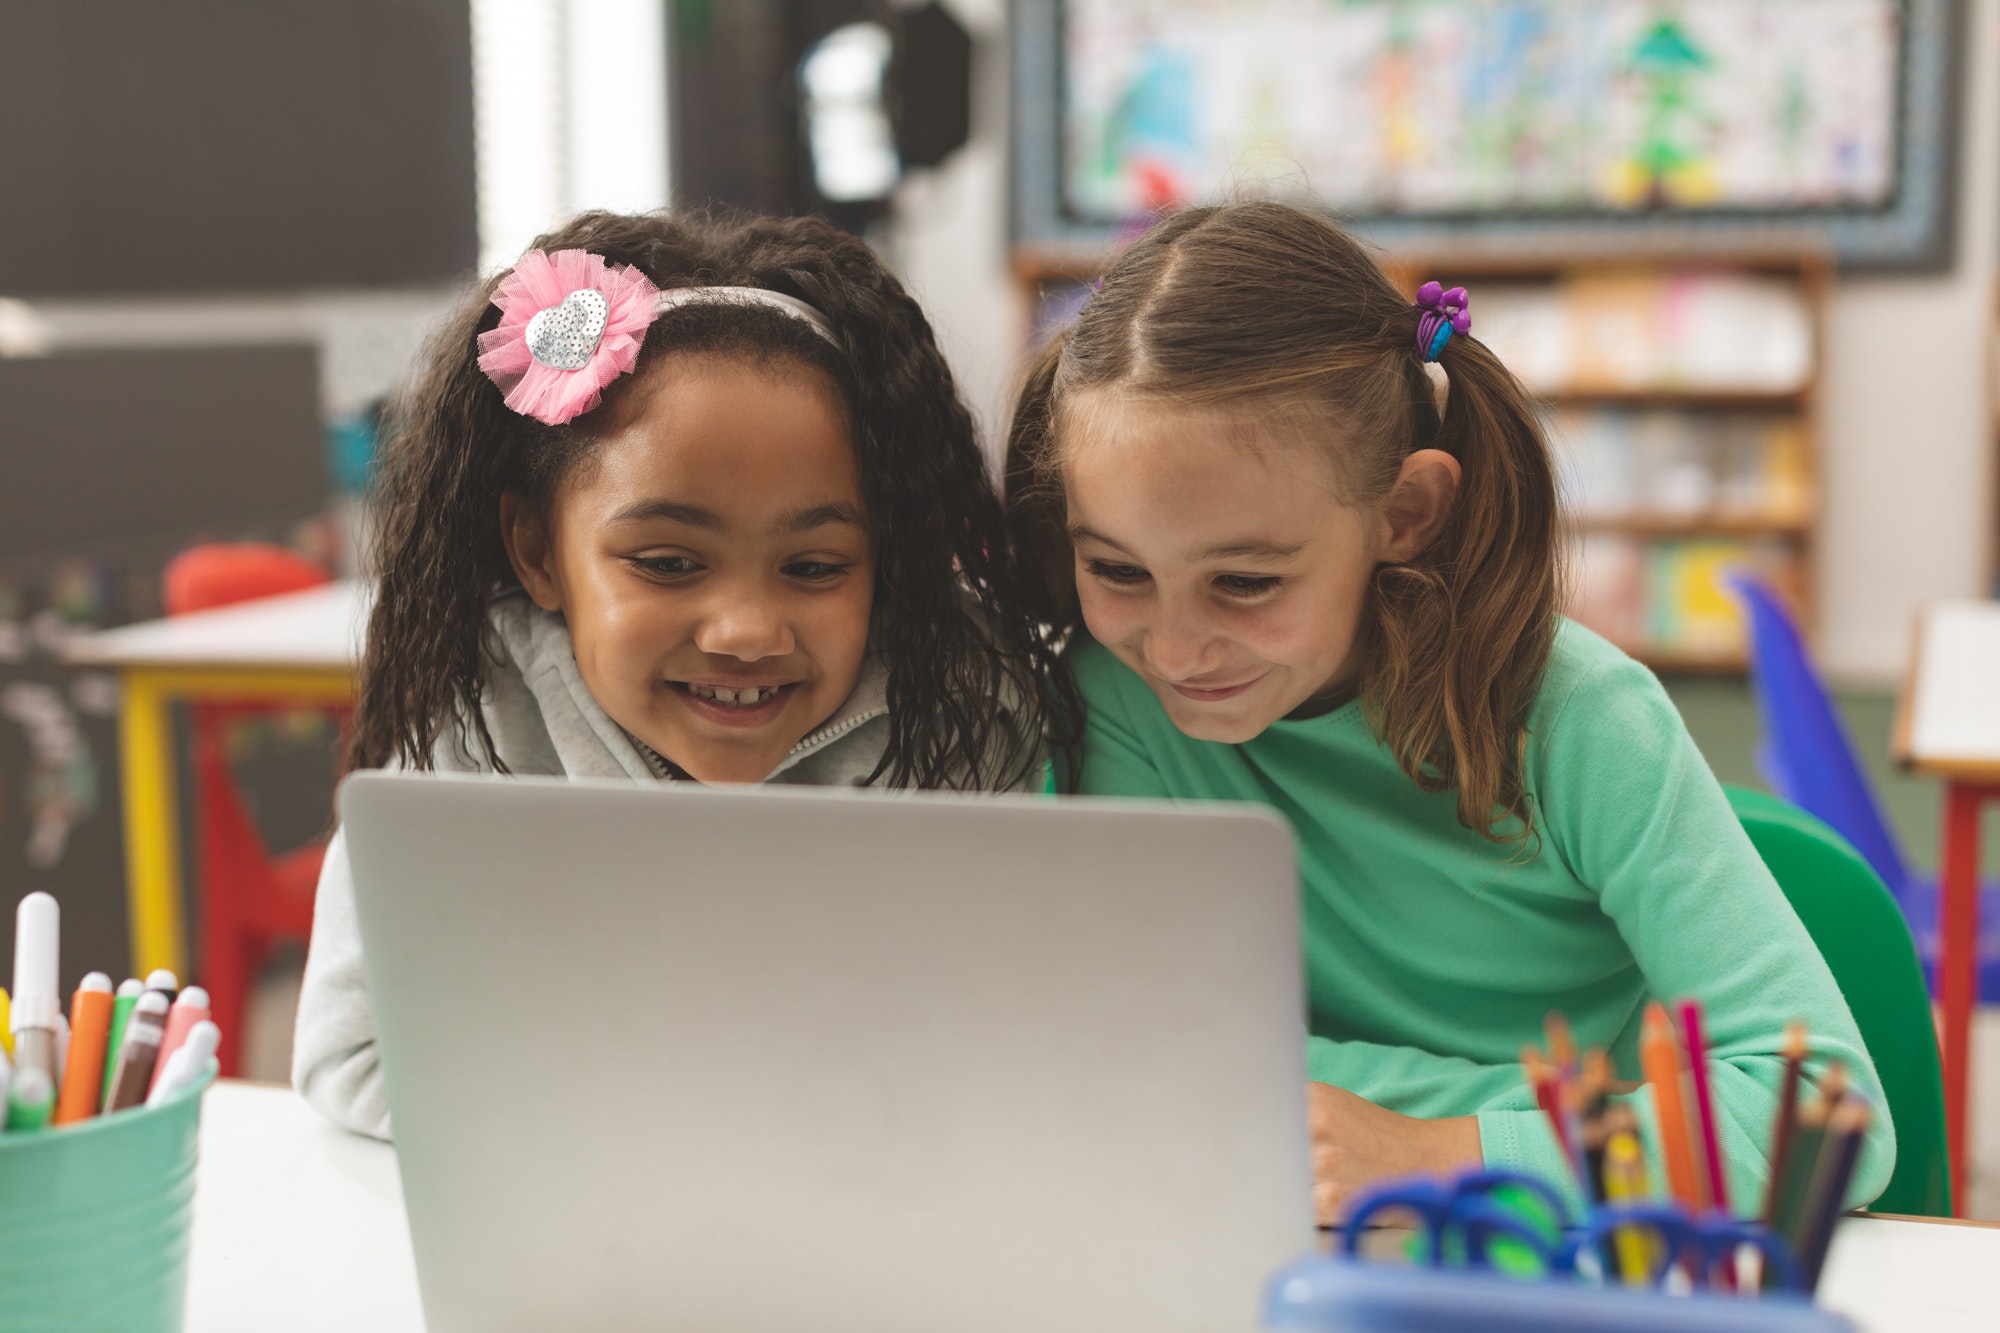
x,y
1178,650
746,628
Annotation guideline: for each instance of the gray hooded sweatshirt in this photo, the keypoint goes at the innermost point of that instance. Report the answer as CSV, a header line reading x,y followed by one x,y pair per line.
x,y
544,722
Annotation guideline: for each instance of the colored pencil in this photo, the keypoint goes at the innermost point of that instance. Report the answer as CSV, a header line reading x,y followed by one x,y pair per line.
x,y
1704,1102
1828,1189
1800,1163
1624,1182
1659,1056
1795,1050
1542,1080
1562,1045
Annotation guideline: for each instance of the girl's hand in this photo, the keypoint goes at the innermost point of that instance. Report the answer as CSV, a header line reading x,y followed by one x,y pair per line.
x,y
1356,1143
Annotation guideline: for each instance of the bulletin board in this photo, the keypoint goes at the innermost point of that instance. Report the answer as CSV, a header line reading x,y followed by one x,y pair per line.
x,y
1502,120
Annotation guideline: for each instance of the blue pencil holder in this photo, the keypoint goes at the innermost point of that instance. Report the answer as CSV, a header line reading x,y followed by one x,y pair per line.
x,y
1323,1294
94,1221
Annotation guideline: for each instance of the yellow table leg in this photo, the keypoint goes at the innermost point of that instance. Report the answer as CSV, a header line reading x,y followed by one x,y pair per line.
x,y
152,827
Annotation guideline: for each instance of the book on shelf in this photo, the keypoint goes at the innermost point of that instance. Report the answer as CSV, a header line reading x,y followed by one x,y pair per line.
x,y
1677,465
1644,330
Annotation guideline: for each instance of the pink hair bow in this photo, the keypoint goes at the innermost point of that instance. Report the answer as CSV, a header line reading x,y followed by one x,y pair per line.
x,y
570,324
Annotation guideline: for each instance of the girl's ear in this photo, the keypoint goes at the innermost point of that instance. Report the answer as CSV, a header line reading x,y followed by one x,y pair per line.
x,y
1417,506
526,537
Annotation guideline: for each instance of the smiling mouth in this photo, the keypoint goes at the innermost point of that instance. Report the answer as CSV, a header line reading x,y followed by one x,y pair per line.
x,y
1212,693
744,697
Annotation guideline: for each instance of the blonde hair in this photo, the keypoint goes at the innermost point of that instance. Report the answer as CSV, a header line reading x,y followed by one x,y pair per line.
x,y
1260,305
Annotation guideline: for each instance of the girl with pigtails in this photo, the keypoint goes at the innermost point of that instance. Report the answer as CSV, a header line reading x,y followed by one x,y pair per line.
x,y
679,499
1287,576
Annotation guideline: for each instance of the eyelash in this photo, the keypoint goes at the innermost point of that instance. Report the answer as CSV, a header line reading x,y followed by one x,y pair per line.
x,y
821,571
1122,575
1246,587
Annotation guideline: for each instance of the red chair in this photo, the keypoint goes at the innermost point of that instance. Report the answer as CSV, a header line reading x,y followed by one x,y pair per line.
x,y
251,901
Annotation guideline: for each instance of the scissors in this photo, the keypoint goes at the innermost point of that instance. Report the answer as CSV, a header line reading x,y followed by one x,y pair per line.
x,y
1472,1220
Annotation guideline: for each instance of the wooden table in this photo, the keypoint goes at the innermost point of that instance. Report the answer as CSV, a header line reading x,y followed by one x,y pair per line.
x,y
301,647
300,1226
1948,726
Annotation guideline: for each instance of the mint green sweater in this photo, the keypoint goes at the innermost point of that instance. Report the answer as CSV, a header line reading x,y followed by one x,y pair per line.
x,y
1433,955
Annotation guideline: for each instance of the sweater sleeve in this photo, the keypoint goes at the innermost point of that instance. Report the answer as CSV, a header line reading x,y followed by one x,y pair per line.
x,y
335,1063
1513,1132
1628,802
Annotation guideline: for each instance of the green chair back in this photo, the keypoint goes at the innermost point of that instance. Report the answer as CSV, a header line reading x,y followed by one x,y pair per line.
x,y
1851,917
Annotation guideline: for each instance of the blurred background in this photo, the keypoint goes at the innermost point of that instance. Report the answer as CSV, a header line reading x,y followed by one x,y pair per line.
x,y
1748,251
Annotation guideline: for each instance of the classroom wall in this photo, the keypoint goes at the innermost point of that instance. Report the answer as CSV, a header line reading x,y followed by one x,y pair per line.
x,y
1908,447
1909,442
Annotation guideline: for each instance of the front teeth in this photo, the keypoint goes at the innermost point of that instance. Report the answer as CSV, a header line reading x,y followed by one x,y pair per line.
x,y
748,697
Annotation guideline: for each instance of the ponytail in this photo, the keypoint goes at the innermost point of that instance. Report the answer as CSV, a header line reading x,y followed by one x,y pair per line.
x,y
1460,636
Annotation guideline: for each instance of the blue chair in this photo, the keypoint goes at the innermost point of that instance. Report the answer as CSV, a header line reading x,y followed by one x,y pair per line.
x,y
1806,757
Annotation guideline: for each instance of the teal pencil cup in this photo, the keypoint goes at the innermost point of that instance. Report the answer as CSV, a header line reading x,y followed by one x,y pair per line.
x,y
94,1221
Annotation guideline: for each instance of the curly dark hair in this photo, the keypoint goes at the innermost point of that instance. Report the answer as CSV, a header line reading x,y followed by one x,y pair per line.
x,y
951,617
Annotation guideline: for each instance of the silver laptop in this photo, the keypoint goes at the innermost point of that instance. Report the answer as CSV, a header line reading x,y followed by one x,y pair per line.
x,y
796,1061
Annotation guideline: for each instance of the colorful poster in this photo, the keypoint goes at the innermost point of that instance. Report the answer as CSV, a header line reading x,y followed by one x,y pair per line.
x,y
1440,108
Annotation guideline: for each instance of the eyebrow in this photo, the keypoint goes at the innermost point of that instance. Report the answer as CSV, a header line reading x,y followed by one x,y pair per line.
x,y
694,516
820,516
1252,550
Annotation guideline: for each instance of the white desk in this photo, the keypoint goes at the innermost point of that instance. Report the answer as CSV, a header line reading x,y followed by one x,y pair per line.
x,y
316,630
300,1226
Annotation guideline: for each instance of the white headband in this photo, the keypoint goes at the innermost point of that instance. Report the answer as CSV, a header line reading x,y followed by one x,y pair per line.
x,y
790,305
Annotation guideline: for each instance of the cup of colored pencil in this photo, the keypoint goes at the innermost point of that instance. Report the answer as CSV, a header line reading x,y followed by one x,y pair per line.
x,y
1815,1142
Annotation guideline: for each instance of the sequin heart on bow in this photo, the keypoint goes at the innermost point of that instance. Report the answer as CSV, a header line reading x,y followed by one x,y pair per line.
x,y
565,336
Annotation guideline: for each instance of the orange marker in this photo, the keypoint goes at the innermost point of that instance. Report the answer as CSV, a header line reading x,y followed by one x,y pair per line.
x,y
89,1035
1659,1055
190,1007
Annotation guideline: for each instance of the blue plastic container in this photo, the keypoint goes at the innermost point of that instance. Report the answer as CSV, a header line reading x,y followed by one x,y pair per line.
x,y
94,1221
1321,1294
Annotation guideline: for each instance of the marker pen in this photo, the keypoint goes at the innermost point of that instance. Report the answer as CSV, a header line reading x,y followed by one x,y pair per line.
x,y
6,1026
190,1007
129,991
141,1049
164,981
29,1103
184,1067
37,927
90,1035
62,1047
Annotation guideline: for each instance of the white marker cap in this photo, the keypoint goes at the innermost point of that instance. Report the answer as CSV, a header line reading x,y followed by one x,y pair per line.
x,y
130,987
152,1002
185,1065
194,997
161,979
37,935
96,983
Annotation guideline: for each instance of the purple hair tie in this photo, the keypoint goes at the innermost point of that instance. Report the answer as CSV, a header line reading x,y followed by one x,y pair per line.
x,y
1443,313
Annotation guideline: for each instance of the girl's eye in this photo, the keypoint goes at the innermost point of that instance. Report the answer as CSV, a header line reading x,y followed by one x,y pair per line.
x,y
816,571
1247,585
666,566
1116,573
